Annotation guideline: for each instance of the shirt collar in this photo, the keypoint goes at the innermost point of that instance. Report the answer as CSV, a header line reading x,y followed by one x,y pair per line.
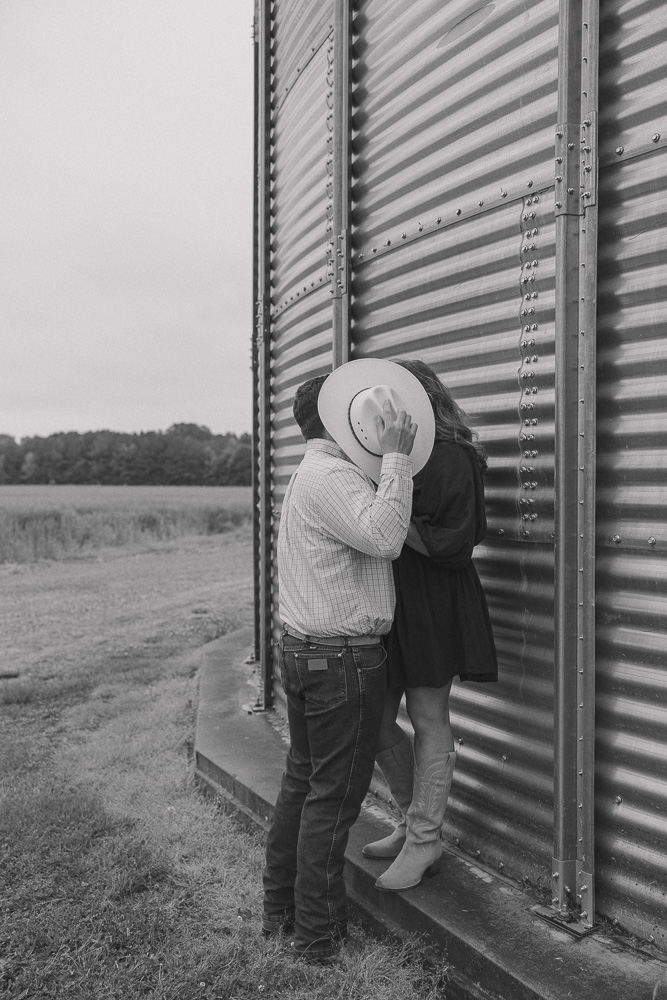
x,y
328,447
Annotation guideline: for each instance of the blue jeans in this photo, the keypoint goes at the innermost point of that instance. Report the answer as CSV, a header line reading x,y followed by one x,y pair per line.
x,y
335,698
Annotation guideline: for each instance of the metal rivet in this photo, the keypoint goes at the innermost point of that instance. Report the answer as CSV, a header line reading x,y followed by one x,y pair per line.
x,y
656,137
404,236
618,800
616,539
559,134
375,249
570,145
501,531
652,540
480,203
529,184
570,190
620,150
559,204
559,177
439,220
458,211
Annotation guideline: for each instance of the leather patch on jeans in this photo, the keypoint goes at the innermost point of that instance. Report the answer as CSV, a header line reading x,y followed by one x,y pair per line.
x,y
319,664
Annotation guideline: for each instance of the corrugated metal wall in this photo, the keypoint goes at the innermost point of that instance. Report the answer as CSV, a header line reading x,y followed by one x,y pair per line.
x,y
300,297
453,262
631,724
452,259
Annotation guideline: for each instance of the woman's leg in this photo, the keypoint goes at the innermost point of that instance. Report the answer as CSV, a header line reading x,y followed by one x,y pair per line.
x,y
428,709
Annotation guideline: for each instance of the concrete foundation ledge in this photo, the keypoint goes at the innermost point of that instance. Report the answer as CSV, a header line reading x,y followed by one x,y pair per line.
x,y
485,927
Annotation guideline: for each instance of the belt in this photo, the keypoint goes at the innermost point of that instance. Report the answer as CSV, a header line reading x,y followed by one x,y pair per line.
x,y
334,640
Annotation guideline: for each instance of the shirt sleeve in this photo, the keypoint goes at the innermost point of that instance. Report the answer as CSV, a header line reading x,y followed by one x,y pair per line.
x,y
446,515
373,522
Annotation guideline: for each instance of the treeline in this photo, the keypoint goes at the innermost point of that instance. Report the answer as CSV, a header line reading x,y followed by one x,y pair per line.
x,y
183,455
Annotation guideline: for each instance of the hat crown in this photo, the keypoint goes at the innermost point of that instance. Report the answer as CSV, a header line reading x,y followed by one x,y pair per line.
x,y
354,394
365,407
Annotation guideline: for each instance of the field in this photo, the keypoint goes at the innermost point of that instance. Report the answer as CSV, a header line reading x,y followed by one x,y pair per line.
x,y
56,522
118,878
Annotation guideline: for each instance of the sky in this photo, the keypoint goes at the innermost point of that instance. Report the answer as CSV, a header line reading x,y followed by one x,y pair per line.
x,y
126,176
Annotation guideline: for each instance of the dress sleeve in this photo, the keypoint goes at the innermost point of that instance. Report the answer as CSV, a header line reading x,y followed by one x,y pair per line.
x,y
445,511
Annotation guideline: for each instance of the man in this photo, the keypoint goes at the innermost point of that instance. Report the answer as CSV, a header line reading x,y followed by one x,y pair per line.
x,y
335,545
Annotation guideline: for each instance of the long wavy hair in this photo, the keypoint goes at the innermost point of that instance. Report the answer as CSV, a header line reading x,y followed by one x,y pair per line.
x,y
450,420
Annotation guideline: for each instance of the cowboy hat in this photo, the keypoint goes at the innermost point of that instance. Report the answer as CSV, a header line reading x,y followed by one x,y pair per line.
x,y
351,397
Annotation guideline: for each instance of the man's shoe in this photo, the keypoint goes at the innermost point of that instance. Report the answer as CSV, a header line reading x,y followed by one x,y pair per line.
x,y
280,924
317,955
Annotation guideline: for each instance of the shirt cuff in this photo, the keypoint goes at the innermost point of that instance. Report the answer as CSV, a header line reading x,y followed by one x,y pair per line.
x,y
395,464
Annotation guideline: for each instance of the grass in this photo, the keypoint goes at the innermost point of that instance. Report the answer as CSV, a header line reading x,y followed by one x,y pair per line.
x,y
118,878
60,522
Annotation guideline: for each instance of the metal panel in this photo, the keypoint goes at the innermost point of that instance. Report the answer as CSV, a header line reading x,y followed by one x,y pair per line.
x,y
299,188
300,193
453,253
447,118
631,723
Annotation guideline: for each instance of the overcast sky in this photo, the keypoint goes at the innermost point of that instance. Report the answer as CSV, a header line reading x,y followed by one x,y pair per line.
x,y
125,214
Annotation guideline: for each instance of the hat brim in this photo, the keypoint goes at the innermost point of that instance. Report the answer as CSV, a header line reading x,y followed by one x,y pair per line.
x,y
344,383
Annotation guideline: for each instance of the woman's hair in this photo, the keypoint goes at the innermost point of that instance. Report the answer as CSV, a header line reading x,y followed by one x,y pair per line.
x,y
450,420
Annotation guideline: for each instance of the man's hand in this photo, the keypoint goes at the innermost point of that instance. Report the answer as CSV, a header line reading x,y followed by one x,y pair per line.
x,y
395,431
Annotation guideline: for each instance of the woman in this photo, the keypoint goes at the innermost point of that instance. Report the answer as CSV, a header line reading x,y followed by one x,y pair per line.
x,y
441,629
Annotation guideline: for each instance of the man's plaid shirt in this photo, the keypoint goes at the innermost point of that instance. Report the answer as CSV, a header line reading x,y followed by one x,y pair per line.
x,y
336,541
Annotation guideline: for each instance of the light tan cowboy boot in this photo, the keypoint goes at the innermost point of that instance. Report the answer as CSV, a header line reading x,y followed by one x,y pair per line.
x,y
397,764
422,850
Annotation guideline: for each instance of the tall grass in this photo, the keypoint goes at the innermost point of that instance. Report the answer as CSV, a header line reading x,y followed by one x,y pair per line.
x,y
61,522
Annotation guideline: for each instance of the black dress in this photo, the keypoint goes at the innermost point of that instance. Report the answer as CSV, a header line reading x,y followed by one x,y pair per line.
x,y
441,625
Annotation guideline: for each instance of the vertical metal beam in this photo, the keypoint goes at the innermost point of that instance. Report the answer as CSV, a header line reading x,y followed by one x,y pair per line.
x,y
587,466
576,247
254,357
341,181
262,343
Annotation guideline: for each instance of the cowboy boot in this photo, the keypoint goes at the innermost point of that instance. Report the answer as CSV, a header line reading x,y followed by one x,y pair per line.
x,y
422,850
397,764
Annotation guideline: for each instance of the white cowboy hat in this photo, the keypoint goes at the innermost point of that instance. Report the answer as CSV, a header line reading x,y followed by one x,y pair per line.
x,y
351,397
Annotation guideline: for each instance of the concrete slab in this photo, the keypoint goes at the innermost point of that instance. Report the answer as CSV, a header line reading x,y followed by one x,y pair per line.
x,y
485,925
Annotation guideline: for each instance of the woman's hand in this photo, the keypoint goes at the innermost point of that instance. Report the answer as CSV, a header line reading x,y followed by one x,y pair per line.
x,y
414,540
